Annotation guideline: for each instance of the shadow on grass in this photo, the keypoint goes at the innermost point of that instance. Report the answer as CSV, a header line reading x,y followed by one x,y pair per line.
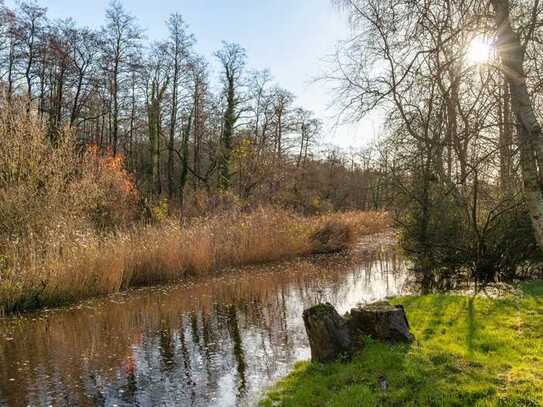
x,y
438,306
367,380
533,289
471,326
433,315
468,351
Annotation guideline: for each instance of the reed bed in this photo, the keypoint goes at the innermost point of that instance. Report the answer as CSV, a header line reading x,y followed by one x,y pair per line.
x,y
64,269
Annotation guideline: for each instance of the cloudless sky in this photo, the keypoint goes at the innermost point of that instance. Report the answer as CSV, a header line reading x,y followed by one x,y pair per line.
x,y
290,37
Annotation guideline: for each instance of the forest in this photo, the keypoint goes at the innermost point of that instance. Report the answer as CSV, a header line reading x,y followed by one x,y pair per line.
x,y
155,105
192,200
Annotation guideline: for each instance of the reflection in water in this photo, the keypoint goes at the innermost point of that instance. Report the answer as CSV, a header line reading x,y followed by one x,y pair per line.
x,y
217,342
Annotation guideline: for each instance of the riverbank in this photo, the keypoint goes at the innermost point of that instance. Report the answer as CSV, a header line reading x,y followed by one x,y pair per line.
x,y
215,341
37,274
468,351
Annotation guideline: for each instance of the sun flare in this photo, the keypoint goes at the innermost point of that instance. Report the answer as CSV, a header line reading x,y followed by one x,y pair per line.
x,y
479,50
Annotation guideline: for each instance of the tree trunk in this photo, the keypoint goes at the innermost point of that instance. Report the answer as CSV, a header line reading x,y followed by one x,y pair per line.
x,y
328,333
381,321
173,125
506,141
512,54
227,135
154,139
185,159
197,136
115,96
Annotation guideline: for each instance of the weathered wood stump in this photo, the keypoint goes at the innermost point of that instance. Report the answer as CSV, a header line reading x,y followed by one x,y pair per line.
x,y
329,334
381,321
332,336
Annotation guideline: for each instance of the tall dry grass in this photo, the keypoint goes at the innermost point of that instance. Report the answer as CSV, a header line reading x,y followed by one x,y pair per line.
x,y
61,271
68,226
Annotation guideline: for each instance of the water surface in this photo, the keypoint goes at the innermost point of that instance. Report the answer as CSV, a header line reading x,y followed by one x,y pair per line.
x,y
217,342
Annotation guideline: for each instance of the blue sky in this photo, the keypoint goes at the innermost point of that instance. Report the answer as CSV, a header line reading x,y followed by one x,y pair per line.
x,y
290,37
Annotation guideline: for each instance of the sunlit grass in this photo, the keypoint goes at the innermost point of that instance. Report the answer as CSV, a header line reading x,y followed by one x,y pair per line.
x,y
468,352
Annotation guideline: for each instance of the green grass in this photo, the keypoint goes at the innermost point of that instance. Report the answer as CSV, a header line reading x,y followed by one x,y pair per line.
x,y
468,352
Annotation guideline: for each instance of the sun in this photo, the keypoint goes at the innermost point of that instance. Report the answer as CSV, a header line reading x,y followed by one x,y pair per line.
x,y
479,50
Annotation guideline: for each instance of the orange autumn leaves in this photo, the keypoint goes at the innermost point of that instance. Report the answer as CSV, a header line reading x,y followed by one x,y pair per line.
x,y
111,169
111,187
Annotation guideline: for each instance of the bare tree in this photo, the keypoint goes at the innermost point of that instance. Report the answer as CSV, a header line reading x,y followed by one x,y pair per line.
x,y
121,40
232,58
32,23
308,127
283,100
85,48
179,45
157,83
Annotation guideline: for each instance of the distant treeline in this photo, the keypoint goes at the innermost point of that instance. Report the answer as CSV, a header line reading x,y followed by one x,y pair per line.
x,y
153,104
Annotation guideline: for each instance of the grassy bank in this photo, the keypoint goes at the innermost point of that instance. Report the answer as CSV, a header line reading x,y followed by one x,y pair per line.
x,y
65,269
468,351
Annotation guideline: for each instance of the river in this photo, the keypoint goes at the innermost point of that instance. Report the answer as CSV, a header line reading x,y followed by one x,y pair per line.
x,y
216,342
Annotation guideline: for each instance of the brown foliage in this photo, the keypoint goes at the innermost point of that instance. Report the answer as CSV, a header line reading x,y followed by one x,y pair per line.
x,y
49,189
332,237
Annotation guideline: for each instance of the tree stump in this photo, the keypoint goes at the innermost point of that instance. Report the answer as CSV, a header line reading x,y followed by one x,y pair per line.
x,y
381,321
329,334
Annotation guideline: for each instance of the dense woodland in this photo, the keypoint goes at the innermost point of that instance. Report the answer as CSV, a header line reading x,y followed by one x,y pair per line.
x,y
184,133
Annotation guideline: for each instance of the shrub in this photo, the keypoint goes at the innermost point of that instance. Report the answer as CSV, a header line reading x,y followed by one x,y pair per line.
x,y
332,237
51,188
450,241
159,211
113,194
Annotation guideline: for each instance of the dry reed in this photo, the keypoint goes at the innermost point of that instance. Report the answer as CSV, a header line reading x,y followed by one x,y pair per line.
x,y
41,274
